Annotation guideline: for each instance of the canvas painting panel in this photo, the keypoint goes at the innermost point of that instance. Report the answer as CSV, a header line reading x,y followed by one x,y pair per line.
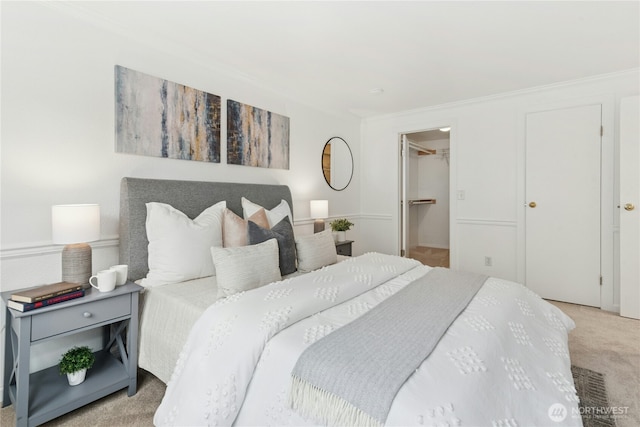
x,y
256,137
156,117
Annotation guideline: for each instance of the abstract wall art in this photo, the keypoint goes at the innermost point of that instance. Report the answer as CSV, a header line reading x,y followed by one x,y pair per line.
x,y
156,117
256,137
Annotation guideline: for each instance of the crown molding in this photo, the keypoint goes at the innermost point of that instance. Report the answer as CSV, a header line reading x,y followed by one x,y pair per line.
x,y
506,95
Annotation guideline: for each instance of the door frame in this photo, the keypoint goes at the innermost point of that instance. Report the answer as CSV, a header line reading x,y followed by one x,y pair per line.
x,y
608,205
453,153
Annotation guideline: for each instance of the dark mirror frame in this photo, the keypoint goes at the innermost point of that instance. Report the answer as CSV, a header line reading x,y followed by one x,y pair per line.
x,y
324,167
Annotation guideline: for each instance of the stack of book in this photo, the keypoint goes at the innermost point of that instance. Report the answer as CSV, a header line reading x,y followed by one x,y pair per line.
x,y
31,299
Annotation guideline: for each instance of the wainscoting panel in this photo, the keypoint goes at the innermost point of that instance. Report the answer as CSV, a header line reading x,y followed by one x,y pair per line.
x,y
375,233
480,242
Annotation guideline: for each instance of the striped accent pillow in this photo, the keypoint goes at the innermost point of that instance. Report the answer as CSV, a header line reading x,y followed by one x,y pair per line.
x,y
315,251
246,267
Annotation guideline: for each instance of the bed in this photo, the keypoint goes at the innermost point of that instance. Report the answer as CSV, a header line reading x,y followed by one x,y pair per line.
x,y
162,336
249,358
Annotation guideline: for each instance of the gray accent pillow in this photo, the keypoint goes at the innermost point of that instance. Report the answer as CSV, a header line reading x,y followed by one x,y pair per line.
x,y
283,233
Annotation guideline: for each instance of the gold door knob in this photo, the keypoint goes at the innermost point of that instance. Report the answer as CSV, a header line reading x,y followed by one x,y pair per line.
x,y
532,205
629,207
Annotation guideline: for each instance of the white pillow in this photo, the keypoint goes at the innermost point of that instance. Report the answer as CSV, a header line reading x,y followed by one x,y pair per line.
x,y
179,247
274,215
246,267
315,251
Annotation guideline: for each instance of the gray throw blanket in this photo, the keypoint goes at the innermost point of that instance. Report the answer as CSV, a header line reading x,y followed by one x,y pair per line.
x,y
351,376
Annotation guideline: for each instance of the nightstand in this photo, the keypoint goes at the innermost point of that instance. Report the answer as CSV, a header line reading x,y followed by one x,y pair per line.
x,y
41,396
344,247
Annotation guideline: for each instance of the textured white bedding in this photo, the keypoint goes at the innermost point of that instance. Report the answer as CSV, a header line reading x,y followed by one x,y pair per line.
x,y
503,362
167,314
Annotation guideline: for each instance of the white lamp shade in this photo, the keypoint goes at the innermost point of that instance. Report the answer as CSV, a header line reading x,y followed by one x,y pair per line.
x,y
75,223
319,209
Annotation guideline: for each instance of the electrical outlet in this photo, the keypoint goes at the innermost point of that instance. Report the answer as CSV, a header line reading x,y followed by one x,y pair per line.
x,y
488,261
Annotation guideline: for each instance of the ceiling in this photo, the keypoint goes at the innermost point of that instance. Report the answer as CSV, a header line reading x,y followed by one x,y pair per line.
x,y
332,55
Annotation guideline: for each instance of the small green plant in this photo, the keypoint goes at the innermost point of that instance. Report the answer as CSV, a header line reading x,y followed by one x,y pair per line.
x,y
342,224
76,359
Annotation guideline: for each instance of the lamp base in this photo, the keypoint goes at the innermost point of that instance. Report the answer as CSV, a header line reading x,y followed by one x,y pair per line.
x,y
76,263
318,225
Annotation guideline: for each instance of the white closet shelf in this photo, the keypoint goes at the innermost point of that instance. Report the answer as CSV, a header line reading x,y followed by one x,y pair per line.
x,y
421,150
422,202
426,152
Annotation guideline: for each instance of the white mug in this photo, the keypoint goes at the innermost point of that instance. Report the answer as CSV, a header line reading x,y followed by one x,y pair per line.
x,y
105,280
121,273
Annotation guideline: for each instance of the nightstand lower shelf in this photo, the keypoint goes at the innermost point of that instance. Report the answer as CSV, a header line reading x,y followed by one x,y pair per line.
x,y
50,395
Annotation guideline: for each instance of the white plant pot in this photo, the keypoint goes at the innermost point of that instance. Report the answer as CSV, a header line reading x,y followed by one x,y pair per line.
x,y
342,236
77,377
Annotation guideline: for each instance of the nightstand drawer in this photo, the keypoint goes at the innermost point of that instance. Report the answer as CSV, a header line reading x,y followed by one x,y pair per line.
x,y
344,248
59,321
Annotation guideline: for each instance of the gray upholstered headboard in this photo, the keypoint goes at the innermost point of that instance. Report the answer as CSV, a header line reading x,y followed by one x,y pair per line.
x,y
190,197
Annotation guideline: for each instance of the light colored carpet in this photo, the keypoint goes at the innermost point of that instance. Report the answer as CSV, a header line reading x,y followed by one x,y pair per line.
x,y
607,343
603,342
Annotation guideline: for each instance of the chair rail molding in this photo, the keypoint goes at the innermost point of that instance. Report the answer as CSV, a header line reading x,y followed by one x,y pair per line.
x,y
46,248
488,222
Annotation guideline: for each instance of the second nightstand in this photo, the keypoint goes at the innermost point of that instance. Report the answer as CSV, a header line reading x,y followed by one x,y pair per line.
x,y
344,247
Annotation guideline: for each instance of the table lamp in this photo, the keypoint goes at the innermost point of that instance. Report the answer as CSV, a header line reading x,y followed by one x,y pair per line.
x,y
74,226
319,212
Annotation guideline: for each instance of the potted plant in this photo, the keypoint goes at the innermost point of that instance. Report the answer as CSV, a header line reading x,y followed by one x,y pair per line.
x,y
75,363
341,226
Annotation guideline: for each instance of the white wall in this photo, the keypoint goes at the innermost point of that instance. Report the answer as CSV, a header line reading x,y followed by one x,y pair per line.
x,y
433,183
487,163
58,135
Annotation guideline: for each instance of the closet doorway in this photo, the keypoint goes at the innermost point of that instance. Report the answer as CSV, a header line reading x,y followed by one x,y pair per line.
x,y
424,194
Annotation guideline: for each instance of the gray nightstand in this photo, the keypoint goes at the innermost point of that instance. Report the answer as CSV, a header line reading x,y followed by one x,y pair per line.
x,y
344,248
44,395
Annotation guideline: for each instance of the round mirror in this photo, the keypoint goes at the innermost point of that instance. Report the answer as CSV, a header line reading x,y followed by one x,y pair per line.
x,y
337,163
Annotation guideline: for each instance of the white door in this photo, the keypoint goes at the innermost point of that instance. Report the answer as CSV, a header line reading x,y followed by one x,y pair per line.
x,y
630,207
563,204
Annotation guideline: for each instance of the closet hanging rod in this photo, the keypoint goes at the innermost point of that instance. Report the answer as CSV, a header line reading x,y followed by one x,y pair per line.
x,y
422,202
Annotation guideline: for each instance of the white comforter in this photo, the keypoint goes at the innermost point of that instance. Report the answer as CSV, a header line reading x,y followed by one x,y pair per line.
x,y
503,362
